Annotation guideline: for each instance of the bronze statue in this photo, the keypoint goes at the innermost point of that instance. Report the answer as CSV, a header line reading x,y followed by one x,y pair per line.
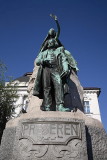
x,y
55,64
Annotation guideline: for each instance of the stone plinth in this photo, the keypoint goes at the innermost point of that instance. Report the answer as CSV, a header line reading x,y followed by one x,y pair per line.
x,y
41,135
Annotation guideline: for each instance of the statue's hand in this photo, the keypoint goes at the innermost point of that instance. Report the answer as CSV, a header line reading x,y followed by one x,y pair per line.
x,y
54,17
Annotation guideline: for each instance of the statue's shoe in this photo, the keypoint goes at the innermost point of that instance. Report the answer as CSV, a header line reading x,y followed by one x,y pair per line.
x,y
62,109
47,108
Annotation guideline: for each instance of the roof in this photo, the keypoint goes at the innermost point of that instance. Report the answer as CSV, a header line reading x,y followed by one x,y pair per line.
x,y
24,78
93,88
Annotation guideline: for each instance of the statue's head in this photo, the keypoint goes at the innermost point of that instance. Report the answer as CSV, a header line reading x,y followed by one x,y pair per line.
x,y
52,33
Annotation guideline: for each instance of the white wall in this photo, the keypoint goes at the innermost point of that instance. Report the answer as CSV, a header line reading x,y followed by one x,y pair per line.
x,y
92,97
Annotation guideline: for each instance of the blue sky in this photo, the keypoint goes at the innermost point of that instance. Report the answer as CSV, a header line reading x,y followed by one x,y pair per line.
x,y
24,25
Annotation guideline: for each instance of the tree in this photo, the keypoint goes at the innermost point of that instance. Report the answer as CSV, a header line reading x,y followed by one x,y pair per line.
x,y
8,95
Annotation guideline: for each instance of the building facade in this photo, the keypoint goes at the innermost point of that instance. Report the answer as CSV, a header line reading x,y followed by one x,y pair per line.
x,y
91,94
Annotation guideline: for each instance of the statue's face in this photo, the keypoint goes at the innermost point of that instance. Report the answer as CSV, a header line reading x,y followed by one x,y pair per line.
x,y
51,43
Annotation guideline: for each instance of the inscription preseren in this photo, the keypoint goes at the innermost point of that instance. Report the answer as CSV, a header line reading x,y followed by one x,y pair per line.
x,y
50,132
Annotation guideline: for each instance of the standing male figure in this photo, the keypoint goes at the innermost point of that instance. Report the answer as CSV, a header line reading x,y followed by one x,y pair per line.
x,y
54,64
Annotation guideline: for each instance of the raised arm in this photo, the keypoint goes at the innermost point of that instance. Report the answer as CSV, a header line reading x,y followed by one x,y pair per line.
x,y
58,26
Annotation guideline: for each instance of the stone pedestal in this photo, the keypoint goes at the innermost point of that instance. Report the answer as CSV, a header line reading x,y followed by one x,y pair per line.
x,y
54,136
44,137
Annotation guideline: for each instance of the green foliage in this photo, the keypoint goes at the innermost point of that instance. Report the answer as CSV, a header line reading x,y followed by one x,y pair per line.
x,y
8,95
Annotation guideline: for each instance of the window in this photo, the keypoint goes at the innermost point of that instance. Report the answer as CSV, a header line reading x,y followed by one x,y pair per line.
x,y
86,107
